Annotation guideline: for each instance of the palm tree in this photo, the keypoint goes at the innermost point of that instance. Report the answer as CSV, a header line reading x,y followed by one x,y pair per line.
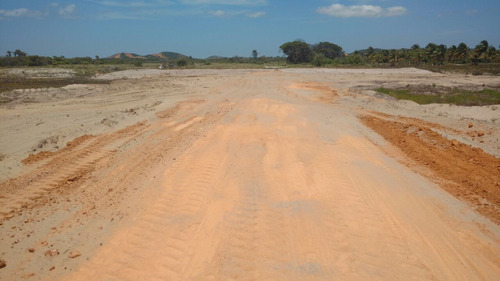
x,y
393,57
416,54
462,53
451,54
491,53
441,53
369,53
479,53
430,53
19,53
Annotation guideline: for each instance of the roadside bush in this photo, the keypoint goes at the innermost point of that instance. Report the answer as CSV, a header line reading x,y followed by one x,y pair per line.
x,y
320,60
353,59
181,62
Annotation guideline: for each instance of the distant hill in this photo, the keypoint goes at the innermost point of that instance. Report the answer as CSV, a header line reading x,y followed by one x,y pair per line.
x,y
163,56
215,58
126,56
166,56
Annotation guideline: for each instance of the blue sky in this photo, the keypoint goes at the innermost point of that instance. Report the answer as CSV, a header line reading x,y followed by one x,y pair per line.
x,y
201,28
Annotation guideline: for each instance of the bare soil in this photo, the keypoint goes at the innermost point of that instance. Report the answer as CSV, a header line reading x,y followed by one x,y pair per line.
x,y
296,174
468,173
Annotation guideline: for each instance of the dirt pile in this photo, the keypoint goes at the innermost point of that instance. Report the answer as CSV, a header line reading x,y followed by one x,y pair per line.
x,y
470,173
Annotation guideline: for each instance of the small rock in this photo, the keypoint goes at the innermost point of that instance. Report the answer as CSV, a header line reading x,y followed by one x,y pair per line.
x,y
44,243
471,125
74,254
9,216
480,134
454,142
27,275
52,268
2,264
31,250
52,252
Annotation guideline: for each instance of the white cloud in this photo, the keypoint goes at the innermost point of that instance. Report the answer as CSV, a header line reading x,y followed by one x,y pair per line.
x,y
21,12
218,13
67,11
144,14
53,8
395,11
221,13
361,11
256,15
225,2
135,4
117,16
123,4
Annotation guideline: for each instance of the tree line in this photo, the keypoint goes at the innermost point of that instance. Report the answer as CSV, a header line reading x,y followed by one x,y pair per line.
x,y
20,58
300,52
326,53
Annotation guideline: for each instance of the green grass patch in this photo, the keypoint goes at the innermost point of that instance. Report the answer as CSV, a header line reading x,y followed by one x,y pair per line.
x,y
468,69
12,83
445,95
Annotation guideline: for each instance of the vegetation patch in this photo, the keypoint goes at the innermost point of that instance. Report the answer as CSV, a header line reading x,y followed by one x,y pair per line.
x,y
9,83
492,68
434,94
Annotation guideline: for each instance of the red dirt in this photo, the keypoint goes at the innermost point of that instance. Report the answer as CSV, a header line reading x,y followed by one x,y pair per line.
x,y
328,95
42,155
469,173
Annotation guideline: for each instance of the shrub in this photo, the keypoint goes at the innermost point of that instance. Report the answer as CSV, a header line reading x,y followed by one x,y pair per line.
x,y
181,62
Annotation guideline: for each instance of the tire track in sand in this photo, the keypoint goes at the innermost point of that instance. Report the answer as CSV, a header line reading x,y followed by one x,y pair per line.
x,y
164,239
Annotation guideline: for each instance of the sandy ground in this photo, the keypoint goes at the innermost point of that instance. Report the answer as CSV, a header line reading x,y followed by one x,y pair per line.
x,y
297,174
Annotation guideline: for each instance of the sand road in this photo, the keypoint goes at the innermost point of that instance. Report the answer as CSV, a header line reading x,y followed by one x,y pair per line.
x,y
266,177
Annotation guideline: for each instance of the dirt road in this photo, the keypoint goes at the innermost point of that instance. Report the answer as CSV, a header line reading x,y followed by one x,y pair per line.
x,y
265,176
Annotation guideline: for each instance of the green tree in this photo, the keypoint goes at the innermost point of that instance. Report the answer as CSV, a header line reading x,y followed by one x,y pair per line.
x,y
393,57
9,54
297,51
19,53
441,53
416,54
320,60
404,56
369,53
255,54
382,56
479,52
462,53
435,54
181,62
353,59
451,54
329,50
491,54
